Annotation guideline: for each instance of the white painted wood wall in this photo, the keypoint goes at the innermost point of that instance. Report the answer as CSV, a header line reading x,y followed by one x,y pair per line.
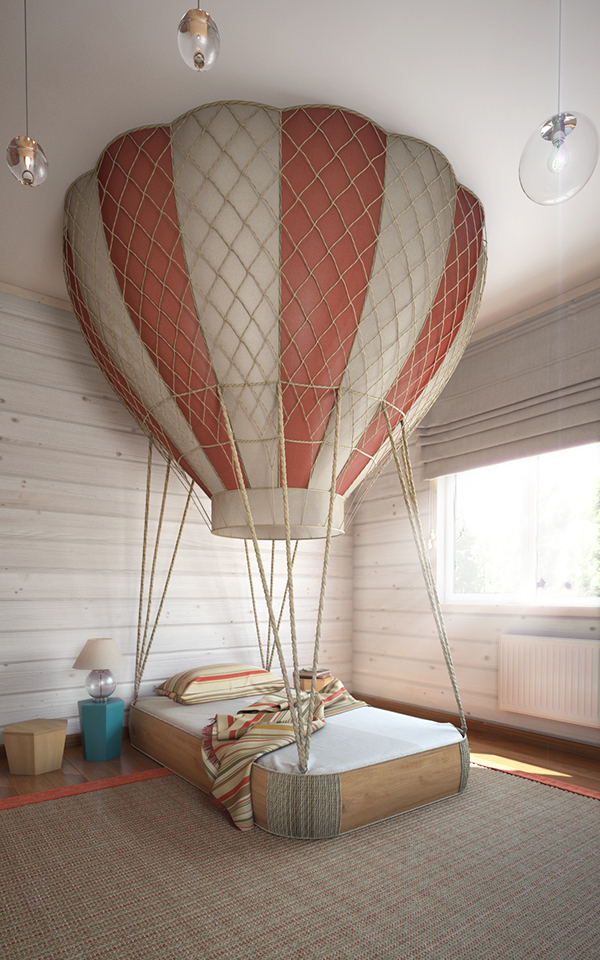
x,y
72,491
397,654
72,494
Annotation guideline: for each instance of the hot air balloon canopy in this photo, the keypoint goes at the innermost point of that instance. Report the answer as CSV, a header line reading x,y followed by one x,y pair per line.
x,y
261,286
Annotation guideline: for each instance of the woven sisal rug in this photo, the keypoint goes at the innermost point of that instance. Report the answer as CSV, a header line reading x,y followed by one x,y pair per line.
x,y
152,870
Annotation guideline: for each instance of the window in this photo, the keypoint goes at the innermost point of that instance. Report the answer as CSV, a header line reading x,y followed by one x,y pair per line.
x,y
525,532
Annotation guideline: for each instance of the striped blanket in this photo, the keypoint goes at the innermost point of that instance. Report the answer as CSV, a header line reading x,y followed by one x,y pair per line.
x,y
231,743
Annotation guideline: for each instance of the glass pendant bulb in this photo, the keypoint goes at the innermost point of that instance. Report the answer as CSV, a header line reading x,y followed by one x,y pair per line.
x,y
198,40
559,158
27,161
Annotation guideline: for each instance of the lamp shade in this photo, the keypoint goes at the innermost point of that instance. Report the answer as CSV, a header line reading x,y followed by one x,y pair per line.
x,y
100,653
559,158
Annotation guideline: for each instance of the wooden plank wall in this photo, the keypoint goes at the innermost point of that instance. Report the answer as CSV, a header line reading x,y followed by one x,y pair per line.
x,y
397,654
72,491
72,494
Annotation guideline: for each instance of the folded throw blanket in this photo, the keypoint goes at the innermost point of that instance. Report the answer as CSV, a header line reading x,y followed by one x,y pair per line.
x,y
231,743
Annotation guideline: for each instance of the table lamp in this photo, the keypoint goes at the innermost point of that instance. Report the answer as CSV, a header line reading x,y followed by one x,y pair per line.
x,y
101,656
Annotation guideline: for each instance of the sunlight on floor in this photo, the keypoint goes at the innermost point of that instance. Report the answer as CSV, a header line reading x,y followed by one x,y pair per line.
x,y
503,763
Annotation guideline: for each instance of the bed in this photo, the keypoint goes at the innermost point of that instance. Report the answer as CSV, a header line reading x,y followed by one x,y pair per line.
x,y
365,765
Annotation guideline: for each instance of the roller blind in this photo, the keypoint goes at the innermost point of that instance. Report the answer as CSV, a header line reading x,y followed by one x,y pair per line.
x,y
527,390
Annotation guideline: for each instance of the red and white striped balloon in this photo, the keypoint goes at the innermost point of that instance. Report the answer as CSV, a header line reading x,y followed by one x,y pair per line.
x,y
245,253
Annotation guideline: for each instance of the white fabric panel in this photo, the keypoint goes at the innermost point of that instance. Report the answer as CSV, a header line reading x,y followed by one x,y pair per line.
x,y
527,390
417,222
348,741
437,383
453,355
110,317
227,188
308,514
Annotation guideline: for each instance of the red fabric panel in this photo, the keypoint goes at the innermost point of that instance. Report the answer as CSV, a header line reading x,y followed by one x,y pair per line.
x,y
137,199
436,337
333,168
114,376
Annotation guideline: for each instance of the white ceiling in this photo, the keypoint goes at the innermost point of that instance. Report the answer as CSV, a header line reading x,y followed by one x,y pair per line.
x,y
472,77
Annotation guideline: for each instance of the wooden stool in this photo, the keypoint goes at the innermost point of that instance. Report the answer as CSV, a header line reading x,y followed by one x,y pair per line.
x,y
35,746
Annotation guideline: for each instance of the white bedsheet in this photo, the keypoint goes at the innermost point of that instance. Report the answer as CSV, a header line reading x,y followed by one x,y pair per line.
x,y
357,738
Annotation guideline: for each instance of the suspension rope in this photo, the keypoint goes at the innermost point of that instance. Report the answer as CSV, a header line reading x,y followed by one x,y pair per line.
x,y
302,729
406,478
269,654
138,670
138,648
300,743
295,711
144,642
283,602
313,681
263,659
156,548
168,578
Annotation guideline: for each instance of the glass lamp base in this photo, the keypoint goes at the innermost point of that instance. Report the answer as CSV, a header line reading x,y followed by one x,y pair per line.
x,y
100,684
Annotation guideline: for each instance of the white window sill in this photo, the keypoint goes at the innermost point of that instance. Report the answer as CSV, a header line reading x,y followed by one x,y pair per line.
x,y
527,610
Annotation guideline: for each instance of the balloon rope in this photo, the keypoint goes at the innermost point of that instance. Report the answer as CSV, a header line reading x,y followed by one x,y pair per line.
x,y
144,648
300,744
313,681
283,602
156,547
267,659
263,659
143,573
250,521
405,476
272,593
152,573
168,579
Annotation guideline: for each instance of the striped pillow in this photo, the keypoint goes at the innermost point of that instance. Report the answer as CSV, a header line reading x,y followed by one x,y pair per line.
x,y
219,681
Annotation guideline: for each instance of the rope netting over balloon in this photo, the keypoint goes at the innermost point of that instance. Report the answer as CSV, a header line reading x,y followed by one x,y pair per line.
x,y
278,297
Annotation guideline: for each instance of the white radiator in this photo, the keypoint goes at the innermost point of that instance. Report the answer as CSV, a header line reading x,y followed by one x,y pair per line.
x,y
551,677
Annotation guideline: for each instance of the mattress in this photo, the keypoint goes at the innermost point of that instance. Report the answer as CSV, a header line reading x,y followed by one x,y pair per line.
x,y
348,741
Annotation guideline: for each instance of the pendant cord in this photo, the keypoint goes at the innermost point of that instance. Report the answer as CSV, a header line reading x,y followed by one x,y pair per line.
x,y
559,49
26,83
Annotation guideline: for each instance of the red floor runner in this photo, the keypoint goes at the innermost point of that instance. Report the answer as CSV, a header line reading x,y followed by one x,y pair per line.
x,y
539,778
76,788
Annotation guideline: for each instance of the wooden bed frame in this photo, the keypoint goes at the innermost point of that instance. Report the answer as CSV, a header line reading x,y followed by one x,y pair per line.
x,y
369,794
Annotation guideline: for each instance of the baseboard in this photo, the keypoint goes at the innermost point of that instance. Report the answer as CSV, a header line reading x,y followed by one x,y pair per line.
x,y
493,730
71,740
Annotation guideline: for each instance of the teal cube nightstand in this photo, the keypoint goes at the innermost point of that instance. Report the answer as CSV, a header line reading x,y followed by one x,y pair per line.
x,y
101,728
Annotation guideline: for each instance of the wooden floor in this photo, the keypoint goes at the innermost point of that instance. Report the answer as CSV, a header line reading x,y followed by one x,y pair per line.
x,y
75,769
577,771
573,770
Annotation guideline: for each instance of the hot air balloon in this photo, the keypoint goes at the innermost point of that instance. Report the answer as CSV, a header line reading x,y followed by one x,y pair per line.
x,y
274,294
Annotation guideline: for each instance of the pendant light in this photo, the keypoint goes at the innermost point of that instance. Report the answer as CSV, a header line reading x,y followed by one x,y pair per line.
x,y
198,40
25,158
561,154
